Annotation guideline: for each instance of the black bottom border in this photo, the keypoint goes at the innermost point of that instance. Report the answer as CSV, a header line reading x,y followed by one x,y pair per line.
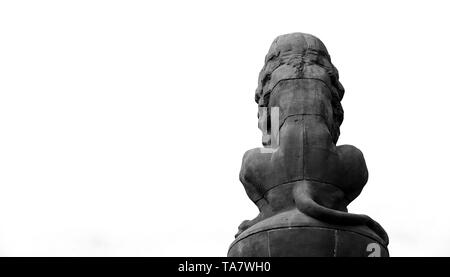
x,y
213,266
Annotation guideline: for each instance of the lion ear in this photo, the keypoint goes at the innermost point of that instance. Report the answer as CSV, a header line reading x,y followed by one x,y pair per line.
x,y
272,55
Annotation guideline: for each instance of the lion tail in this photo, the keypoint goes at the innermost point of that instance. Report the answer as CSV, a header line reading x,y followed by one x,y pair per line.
x,y
307,205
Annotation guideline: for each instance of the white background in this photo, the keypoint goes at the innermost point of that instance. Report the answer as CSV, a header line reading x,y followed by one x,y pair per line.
x,y
123,123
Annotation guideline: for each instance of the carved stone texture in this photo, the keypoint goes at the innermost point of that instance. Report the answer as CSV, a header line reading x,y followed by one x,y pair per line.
x,y
300,180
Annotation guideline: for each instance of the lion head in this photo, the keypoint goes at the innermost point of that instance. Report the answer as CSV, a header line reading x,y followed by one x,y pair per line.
x,y
297,56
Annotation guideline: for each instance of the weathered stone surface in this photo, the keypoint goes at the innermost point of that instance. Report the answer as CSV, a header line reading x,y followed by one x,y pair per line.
x,y
300,169
294,234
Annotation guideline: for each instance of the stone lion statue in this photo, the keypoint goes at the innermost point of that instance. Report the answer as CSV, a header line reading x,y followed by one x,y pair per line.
x,y
306,170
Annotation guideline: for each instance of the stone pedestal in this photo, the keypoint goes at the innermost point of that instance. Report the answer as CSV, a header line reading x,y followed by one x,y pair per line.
x,y
294,234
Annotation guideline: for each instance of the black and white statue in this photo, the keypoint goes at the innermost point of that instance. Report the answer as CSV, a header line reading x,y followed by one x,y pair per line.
x,y
300,180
